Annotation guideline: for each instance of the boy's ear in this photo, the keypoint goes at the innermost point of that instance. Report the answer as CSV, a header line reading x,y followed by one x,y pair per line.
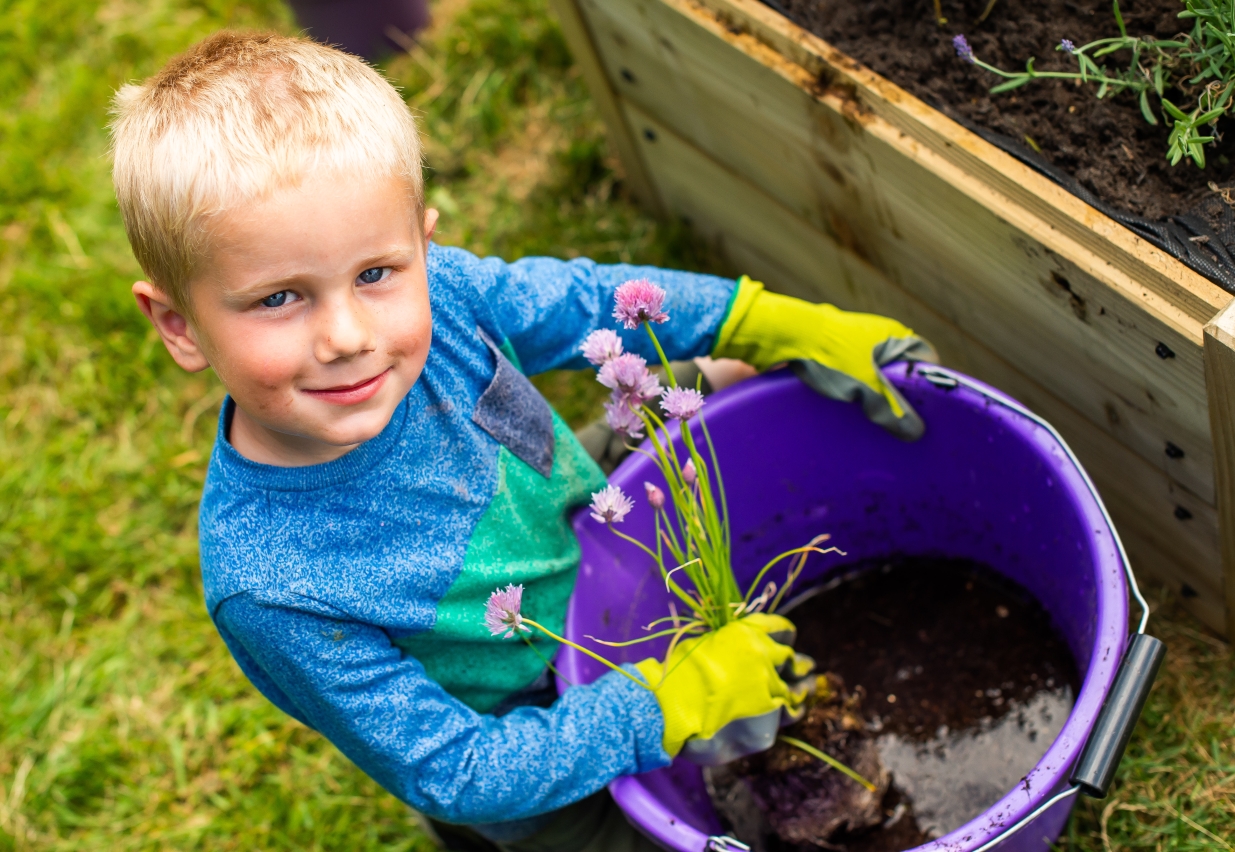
x,y
431,215
173,327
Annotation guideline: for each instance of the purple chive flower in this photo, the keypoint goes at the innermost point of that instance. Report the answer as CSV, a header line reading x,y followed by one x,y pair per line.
x,y
647,391
628,374
602,345
689,473
681,403
610,505
655,496
963,50
1067,46
622,417
502,612
639,301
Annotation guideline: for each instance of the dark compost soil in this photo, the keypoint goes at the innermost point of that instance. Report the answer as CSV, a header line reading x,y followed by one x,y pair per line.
x,y
1105,144
946,684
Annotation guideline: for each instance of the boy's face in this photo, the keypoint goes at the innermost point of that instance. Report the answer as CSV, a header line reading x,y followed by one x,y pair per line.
x,y
313,308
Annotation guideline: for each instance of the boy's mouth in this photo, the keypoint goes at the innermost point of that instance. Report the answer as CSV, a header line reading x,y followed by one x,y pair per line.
x,y
351,394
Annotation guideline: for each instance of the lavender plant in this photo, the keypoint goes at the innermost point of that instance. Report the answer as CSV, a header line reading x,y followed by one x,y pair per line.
x,y
1199,65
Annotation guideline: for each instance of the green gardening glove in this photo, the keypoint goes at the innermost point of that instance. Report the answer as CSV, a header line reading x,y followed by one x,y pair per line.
x,y
725,675
838,353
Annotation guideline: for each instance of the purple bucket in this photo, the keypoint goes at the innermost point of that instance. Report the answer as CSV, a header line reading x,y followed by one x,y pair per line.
x,y
985,483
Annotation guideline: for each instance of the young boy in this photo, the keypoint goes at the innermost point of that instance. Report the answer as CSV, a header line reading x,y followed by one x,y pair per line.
x,y
382,464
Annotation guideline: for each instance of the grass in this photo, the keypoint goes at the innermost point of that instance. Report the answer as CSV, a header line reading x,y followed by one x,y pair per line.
x,y
123,722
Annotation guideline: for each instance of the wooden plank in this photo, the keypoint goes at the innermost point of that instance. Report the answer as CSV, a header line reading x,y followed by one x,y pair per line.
x,y
1010,177
759,236
1220,377
1073,321
1197,593
575,31
674,35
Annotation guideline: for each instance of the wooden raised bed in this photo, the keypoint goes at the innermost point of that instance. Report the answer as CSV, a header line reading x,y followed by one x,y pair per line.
x,y
824,180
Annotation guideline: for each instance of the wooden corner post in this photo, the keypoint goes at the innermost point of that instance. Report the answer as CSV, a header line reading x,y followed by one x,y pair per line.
x,y
579,39
1220,388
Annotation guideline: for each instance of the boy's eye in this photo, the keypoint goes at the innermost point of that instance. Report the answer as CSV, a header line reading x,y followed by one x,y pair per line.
x,y
372,276
275,300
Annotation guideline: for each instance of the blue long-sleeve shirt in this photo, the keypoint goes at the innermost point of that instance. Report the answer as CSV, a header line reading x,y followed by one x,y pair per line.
x,y
352,593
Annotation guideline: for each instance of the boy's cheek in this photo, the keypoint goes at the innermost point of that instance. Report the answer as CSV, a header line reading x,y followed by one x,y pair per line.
x,y
263,373
409,334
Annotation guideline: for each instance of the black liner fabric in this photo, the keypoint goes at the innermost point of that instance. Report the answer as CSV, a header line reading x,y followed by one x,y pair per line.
x,y
1186,237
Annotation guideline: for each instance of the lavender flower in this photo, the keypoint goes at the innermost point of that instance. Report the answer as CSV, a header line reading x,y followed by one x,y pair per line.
x,y
963,50
628,374
622,418
602,345
689,473
610,505
682,403
639,301
1067,46
502,611
655,496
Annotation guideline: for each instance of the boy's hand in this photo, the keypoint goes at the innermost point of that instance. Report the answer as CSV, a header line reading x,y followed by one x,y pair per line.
x,y
838,353
729,674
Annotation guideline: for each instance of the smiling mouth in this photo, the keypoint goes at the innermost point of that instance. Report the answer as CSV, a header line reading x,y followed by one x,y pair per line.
x,y
351,394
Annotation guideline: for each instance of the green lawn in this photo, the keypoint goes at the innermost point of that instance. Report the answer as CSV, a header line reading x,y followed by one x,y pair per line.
x,y
123,722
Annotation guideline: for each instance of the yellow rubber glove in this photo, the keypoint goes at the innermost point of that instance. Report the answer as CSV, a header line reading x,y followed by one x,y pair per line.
x,y
728,674
838,353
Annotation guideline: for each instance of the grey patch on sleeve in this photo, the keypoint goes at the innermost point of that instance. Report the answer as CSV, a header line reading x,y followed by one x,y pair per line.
x,y
515,414
837,385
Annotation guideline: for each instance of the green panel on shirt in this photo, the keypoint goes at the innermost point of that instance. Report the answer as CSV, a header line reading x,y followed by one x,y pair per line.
x,y
523,537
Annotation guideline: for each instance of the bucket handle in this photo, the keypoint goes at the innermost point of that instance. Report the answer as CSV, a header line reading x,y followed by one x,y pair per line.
x,y
1104,748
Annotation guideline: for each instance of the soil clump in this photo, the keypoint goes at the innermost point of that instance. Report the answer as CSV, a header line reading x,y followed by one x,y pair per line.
x,y
945,684
1105,144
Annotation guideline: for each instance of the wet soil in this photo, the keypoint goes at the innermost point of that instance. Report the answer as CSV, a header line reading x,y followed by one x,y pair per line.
x,y
945,684
1105,144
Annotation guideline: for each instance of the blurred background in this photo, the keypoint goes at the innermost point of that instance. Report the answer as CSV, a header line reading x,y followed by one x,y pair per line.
x,y
124,724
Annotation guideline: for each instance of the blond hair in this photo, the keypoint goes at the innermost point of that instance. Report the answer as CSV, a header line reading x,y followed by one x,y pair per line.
x,y
231,120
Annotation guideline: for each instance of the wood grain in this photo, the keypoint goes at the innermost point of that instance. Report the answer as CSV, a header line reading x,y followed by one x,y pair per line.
x,y
1150,266
1220,377
1075,321
758,235
579,39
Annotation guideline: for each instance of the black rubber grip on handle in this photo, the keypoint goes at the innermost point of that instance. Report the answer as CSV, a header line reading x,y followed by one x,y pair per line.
x,y
1105,746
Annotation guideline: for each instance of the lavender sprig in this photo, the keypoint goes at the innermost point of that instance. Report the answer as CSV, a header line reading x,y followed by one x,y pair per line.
x,y
1206,57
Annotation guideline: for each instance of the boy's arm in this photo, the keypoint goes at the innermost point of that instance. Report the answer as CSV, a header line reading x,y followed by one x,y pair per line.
x,y
379,708
546,307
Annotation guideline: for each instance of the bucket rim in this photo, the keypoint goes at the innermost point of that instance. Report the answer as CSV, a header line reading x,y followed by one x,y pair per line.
x,y
1050,774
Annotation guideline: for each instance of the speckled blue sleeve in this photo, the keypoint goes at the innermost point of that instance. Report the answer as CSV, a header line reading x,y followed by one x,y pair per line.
x,y
546,307
377,706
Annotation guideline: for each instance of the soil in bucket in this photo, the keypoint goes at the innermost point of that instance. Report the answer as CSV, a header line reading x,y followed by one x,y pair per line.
x,y
945,684
1105,144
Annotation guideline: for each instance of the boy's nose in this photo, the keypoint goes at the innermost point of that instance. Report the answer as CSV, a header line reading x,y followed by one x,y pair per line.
x,y
343,332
